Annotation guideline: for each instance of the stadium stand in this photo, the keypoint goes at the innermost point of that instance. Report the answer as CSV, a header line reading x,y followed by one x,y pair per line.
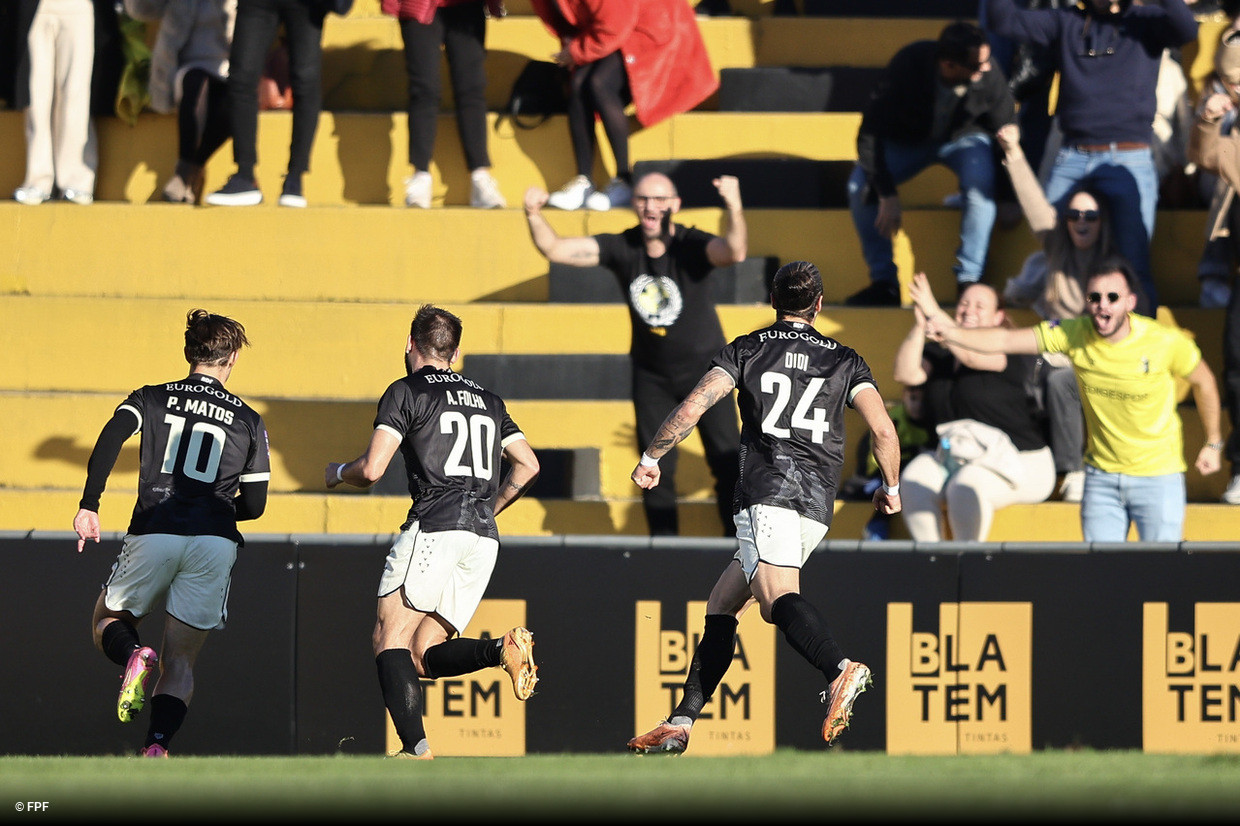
x,y
326,293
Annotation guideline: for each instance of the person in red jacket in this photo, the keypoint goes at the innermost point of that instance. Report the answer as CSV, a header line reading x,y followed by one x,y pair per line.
x,y
647,52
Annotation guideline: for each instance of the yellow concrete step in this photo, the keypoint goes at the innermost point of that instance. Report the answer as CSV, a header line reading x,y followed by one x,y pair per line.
x,y
366,514
451,255
49,437
349,351
362,158
363,63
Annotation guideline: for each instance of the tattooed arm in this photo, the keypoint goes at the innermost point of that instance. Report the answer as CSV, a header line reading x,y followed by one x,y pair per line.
x,y
521,478
574,252
712,387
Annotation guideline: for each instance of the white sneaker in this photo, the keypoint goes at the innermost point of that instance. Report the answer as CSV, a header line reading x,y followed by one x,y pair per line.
x,y
77,196
1073,487
484,191
30,195
418,190
1215,293
619,194
1231,496
573,195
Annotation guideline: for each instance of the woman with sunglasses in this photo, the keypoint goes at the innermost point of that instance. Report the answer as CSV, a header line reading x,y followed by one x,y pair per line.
x,y
1052,283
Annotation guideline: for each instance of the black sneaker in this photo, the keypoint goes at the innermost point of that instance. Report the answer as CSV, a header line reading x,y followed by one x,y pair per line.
x,y
237,191
291,195
878,294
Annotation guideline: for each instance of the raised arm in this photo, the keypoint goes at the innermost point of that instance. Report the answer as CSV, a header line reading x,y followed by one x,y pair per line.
x,y
712,387
733,245
1039,212
580,251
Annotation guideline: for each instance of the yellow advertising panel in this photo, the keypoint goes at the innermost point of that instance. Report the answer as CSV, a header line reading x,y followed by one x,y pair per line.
x,y
1190,693
965,687
476,715
740,717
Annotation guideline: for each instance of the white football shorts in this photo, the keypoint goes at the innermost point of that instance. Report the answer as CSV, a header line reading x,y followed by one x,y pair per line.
x,y
192,574
444,573
776,536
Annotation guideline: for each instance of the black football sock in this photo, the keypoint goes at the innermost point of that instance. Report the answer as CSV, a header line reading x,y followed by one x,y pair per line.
x,y
710,663
806,631
402,694
461,656
118,640
167,714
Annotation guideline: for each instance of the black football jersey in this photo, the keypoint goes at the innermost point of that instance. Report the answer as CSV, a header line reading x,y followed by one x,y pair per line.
x,y
199,443
793,383
452,434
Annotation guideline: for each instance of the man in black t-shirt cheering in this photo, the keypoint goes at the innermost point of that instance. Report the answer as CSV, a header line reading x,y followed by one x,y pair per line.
x,y
452,434
204,466
662,269
794,384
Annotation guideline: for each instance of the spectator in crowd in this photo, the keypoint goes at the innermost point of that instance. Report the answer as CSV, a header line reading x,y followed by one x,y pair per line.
x,y
990,451
1052,283
1110,54
182,540
258,23
937,102
1215,147
1030,71
1127,365
662,268
54,87
441,562
189,76
648,52
457,28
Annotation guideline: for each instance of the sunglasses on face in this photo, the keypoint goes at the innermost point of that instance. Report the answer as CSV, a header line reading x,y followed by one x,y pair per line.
x,y
1082,215
1096,298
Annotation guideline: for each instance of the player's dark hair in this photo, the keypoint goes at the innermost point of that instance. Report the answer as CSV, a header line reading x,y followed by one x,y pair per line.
x,y
795,289
959,42
435,332
212,339
1116,264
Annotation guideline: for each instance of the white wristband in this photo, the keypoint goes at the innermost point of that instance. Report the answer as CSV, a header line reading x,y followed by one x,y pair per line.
x,y
647,461
340,473
892,490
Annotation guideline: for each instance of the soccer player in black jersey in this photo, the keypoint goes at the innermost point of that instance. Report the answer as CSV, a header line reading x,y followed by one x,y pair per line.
x,y
452,434
793,385
204,467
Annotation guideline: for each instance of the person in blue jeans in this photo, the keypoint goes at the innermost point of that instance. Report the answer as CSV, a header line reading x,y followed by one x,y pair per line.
x,y
937,102
1109,54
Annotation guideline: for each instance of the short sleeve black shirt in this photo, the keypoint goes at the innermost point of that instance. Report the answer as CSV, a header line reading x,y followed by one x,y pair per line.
x,y
199,443
675,325
452,434
997,398
793,385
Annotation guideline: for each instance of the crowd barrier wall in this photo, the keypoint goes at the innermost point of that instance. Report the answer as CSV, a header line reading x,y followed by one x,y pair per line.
x,y
1002,647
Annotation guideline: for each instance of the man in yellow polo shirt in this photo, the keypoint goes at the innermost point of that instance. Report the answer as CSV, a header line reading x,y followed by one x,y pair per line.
x,y
1126,366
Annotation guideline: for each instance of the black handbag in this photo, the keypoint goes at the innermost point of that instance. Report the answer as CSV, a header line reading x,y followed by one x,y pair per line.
x,y
540,91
